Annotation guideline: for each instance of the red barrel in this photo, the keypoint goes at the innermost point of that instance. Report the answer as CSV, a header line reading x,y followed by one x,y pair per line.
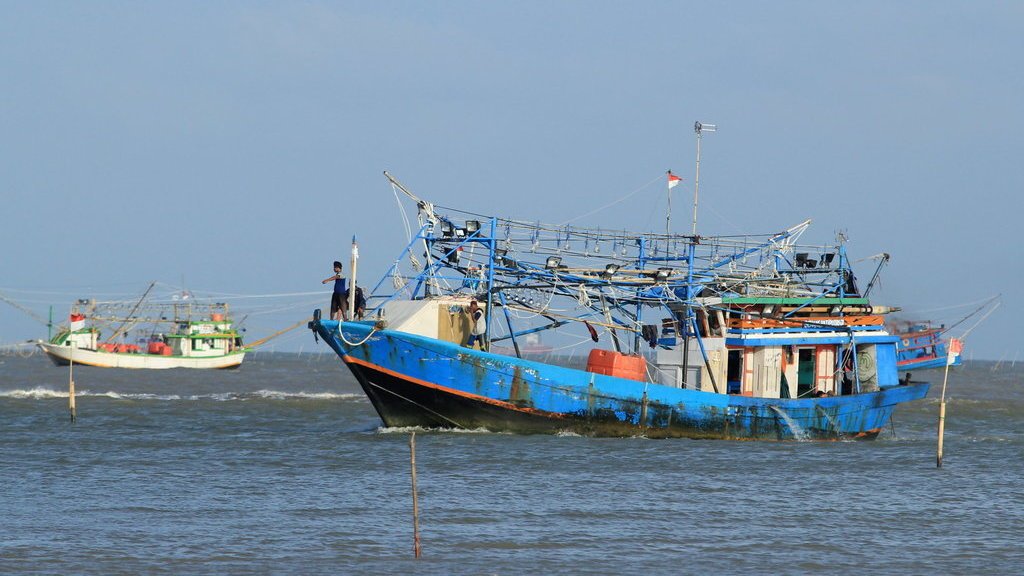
x,y
614,363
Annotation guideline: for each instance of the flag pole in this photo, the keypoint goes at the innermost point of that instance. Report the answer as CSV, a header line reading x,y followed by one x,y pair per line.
x,y
668,216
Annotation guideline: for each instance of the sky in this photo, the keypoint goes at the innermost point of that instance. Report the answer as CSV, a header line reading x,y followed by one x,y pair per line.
x,y
236,147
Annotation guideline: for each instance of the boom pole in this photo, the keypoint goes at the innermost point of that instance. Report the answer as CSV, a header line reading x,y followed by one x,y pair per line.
x,y
129,317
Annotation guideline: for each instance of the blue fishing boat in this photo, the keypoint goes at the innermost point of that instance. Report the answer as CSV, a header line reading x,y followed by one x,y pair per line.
x,y
921,346
738,337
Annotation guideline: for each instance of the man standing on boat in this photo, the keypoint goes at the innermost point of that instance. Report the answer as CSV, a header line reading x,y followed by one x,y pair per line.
x,y
339,299
477,326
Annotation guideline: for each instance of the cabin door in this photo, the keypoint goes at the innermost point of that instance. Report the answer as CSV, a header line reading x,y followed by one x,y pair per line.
x,y
733,370
805,372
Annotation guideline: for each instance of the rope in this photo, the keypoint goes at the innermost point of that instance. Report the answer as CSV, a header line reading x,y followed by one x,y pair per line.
x,y
417,404
278,333
401,210
583,297
979,309
354,345
980,320
954,307
397,280
609,205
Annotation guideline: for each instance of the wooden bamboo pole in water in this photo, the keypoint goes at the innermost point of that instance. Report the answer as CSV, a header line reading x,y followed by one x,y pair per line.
x,y
942,418
942,429
415,498
71,383
954,349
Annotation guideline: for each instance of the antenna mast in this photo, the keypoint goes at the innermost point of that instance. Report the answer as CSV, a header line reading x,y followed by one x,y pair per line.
x,y
699,129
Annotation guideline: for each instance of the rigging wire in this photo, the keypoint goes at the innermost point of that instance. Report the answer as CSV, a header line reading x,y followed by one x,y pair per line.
x,y
613,203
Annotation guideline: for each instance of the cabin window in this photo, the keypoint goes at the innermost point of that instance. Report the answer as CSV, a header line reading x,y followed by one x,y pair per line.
x,y
715,323
701,320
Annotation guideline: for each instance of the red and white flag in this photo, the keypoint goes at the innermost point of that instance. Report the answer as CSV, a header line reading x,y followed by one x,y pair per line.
x,y
955,348
77,322
673,180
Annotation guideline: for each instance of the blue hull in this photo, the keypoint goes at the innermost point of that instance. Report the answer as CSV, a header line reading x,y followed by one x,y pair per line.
x,y
906,365
417,381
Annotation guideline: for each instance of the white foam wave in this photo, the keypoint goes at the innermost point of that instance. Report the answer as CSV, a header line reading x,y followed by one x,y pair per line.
x,y
410,429
37,393
40,393
278,395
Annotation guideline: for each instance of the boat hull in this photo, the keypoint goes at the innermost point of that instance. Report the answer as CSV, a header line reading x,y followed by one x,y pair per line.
x,y
417,381
925,363
62,356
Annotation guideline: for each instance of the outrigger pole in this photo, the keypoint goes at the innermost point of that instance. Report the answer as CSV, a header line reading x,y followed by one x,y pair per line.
x,y
883,260
130,314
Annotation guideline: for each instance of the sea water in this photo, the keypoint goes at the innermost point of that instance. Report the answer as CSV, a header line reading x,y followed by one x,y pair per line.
x,y
282,466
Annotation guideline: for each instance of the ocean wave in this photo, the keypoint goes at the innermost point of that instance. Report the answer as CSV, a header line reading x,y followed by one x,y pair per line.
x,y
279,395
37,393
410,429
40,393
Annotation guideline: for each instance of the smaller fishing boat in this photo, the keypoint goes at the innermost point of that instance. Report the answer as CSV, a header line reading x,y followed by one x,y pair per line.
x,y
921,345
177,335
